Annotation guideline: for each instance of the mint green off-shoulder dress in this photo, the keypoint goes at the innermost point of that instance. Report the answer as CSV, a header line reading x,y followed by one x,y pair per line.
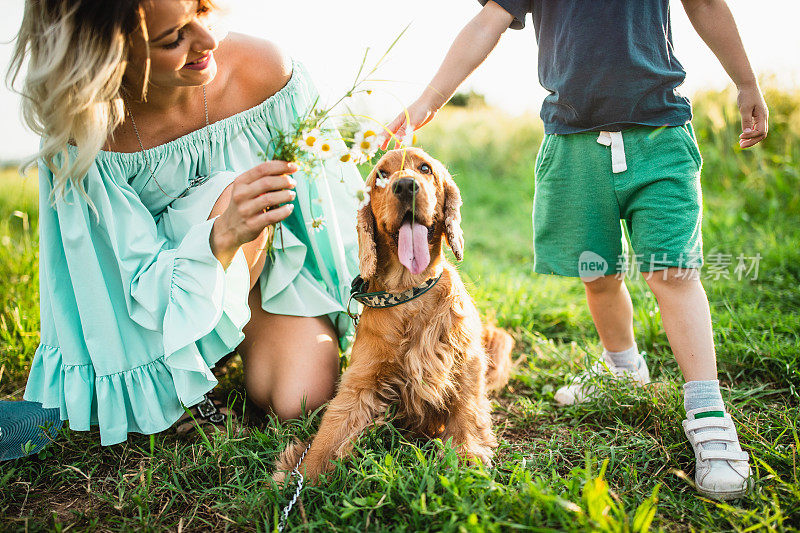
x,y
135,309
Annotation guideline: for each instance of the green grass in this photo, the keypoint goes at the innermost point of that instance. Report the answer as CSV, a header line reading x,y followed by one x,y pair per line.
x,y
610,465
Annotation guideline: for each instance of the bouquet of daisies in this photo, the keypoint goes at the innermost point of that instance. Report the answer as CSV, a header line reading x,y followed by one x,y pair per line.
x,y
315,138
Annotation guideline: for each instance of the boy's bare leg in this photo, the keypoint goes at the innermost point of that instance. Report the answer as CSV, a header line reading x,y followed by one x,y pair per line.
x,y
687,320
612,311
723,469
684,312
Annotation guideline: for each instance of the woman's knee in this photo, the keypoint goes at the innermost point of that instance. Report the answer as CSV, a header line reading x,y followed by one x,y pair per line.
x,y
290,394
291,363
289,402
301,392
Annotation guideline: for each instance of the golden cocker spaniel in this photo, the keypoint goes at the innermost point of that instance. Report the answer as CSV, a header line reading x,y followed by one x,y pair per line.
x,y
431,357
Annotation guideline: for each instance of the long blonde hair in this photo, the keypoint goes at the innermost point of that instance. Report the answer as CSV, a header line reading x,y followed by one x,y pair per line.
x,y
76,52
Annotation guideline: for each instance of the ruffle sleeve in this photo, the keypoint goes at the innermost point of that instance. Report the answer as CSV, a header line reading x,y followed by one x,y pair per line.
x,y
131,322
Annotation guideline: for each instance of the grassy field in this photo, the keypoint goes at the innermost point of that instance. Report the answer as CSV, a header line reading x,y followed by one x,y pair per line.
x,y
618,464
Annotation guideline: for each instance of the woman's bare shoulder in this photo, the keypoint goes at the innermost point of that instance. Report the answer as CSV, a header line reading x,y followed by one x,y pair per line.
x,y
257,68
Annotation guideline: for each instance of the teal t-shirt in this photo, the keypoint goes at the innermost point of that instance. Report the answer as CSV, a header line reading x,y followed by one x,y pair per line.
x,y
607,64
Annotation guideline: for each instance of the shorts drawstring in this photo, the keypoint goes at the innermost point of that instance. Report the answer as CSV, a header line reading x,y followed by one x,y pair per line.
x,y
614,140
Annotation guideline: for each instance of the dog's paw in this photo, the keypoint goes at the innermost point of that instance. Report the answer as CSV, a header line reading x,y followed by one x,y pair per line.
x,y
476,454
279,477
287,460
486,460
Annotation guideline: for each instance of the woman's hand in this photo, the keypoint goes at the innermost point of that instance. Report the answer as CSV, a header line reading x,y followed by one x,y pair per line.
x,y
255,203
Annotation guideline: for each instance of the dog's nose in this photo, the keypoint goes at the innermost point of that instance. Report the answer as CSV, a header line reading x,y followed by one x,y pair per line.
x,y
405,188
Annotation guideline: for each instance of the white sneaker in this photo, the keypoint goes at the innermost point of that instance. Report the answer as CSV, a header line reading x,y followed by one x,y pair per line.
x,y
720,474
581,389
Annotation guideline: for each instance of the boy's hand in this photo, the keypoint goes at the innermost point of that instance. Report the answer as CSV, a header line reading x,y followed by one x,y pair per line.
x,y
417,115
715,25
475,41
755,116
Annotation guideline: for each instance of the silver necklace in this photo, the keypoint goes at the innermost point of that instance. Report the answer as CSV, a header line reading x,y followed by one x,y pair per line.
x,y
194,182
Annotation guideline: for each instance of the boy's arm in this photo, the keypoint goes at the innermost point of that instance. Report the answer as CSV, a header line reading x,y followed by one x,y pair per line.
x,y
472,45
714,23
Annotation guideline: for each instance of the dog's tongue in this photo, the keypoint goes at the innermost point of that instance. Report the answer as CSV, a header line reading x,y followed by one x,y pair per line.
x,y
412,247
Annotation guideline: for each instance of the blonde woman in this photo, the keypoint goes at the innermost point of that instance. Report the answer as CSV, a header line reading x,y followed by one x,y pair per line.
x,y
154,211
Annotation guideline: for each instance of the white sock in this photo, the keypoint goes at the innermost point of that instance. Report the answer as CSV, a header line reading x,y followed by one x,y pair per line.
x,y
625,359
703,394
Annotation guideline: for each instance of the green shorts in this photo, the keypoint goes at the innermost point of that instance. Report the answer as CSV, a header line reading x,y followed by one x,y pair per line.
x,y
648,178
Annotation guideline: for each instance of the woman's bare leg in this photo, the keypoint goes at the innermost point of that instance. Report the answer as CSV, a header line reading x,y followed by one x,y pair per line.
x,y
288,360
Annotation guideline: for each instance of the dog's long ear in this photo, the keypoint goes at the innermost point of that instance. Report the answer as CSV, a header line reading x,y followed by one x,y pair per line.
x,y
452,216
367,255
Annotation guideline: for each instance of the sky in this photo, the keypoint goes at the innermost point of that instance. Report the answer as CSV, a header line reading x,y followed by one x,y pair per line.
x,y
330,38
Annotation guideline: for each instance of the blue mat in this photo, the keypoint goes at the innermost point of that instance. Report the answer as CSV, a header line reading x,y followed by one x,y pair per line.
x,y
26,428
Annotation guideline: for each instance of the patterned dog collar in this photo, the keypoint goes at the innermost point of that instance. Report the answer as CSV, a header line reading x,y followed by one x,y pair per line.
x,y
383,299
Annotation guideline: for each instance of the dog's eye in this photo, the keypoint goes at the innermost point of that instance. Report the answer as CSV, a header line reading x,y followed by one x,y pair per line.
x,y
383,174
425,168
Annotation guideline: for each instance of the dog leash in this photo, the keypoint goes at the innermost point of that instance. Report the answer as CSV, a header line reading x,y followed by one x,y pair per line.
x,y
383,299
300,479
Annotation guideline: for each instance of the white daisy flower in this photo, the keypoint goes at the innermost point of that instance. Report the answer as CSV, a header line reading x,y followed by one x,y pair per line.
x,y
309,139
353,156
362,195
381,182
357,156
316,224
326,148
367,143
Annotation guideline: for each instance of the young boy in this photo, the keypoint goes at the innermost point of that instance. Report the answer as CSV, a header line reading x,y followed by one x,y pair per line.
x,y
619,146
